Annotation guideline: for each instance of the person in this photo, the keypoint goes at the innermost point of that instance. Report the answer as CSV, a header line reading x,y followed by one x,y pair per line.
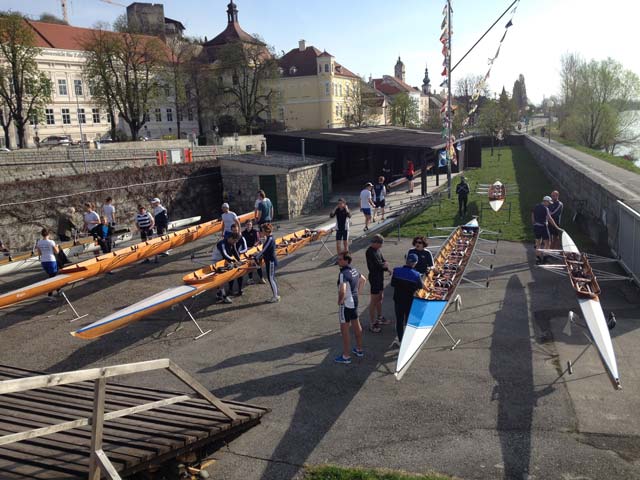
x,y
103,234
3,248
226,250
462,190
256,205
251,238
90,218
343,218
160,220
228,218
66,227
240,249
265,209
555,209
425,258
268,253
406,282
409,173
109,211
47,251
540,218
350,284
366,204
376,265
386,173
144,224
379,193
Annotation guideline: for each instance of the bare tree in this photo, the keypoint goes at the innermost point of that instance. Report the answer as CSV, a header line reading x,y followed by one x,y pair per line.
x,y
361,103
23,89
465,88
5,122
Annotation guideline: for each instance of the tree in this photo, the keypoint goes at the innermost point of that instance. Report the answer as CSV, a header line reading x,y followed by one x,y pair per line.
x,y
123,68
177,73
5,122
404,111
507,109
23,89
466,86
519,95
51,18
361,103
248,71
493,119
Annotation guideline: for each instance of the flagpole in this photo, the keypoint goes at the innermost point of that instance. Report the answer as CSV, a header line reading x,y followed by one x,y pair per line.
x,y
449,98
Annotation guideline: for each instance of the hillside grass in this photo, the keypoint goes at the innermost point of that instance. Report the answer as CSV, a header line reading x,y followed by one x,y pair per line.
x,y
513,166
330,472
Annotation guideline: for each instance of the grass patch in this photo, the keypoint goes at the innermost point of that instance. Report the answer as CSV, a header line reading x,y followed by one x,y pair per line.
x,y
329,472
512,166
607,157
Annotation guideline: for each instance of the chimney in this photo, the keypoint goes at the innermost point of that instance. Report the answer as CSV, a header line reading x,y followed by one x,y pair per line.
x,y
302,46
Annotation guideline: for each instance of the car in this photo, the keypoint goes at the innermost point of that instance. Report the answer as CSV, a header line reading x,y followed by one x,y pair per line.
x,y
55,140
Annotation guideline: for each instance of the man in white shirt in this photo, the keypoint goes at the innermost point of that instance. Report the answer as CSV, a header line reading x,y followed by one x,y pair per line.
x,y
109,211
229,218
90,218
366,204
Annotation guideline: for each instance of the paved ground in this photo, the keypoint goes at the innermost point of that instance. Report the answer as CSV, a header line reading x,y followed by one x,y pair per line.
x,y
493,408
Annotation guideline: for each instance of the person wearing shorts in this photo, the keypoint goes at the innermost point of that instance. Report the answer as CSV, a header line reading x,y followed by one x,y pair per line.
x,y
379,193
366,204
541,218
350,283
343,219
376,265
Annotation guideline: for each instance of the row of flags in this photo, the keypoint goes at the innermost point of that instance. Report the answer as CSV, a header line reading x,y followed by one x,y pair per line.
x,y
448,155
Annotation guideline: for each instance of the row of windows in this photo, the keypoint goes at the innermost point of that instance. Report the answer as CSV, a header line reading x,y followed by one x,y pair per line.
x,y
78,88
95,115
337,89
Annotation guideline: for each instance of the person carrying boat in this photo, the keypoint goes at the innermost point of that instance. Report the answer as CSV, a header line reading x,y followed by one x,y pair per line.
x,y
406,281
47,251
425,257
252,238
226,250
343,219
265,209
541,218
379,194
376,265
366,204
462,190
268,253
229,218
555,209
350,284
65,225
240,249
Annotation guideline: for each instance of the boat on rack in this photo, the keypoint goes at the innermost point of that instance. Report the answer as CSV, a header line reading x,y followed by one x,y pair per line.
x,y
207,278
183,222
116,259
497,195
439,287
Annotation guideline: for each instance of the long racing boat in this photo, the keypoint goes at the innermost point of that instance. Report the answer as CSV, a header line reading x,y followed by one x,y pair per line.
x,y
439,286
116,259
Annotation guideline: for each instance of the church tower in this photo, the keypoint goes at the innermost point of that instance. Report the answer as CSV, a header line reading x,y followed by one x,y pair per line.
x,y
399,70
426,83
232,12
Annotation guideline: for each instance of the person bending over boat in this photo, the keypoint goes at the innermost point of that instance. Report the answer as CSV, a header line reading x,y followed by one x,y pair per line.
x,y
66,225
376,265
406,282
240,249
425,258
226,250
343,219
252,238
270,261
350,284
541,218
47,250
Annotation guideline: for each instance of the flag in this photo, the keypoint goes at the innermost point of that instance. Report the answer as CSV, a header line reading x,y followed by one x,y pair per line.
x,y
444,23
444,10
509,24
504,35
444,83
444,72
443,37
442,159
459,146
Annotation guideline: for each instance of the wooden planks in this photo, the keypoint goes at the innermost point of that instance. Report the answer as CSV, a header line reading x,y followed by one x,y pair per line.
x,y
130,443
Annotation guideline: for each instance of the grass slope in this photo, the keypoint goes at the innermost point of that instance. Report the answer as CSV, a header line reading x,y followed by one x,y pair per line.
x,y
329,472
607,157
512,166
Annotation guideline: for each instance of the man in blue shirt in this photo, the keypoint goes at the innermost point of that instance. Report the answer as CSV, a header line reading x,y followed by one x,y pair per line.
x,y
555,209
350,283
406,281
541,218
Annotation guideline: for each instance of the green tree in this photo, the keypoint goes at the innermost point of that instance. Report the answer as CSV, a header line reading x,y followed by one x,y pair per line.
x,y
519,95
360,103
404,111
493,120
23,89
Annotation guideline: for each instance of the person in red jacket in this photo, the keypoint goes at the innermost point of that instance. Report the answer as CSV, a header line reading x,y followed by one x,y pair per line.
x,y
409,173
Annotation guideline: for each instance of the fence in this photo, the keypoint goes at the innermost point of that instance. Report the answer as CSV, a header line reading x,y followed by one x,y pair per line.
x,y
629,240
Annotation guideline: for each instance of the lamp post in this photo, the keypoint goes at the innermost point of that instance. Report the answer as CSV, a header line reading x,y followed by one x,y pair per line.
x,y
84,155
550,106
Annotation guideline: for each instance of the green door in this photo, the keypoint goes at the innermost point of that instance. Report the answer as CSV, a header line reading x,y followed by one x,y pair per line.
x,y
325,185
268,184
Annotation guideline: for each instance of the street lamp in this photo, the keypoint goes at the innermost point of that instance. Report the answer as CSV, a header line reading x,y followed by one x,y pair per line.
x,y
78,91
549,107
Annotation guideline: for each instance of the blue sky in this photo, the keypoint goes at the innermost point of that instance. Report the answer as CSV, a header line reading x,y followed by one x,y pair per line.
x,y
368,35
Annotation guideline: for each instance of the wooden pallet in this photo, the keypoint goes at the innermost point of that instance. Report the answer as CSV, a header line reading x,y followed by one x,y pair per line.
x,y
132,443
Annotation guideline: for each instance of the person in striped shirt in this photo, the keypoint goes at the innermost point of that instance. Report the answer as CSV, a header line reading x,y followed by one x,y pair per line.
x,y
145,224
268,252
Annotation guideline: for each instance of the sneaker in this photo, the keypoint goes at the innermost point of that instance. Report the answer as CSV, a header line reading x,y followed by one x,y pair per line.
x,y
164,254
383,321
274,299
146,260
250,281
341,359
263,281
51,300
239,294
395,343
357,353
109,273
227,300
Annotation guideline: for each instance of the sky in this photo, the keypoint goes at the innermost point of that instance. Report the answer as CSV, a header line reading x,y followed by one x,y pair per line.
x,y
367,36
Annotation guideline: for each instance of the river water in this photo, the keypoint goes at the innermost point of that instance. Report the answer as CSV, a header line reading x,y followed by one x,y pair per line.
x,y
633,150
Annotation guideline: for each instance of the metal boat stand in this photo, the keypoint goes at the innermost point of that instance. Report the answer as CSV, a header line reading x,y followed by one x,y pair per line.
x,y
458,305
323,244
76,315
190,315
573,318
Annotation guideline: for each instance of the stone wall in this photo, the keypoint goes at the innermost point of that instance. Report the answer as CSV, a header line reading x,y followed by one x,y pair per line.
x,y
239,190
244,144
304,190
148,145
186,190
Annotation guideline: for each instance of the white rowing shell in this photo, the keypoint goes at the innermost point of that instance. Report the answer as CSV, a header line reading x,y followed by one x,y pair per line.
x,y
596,322
183,222
496,204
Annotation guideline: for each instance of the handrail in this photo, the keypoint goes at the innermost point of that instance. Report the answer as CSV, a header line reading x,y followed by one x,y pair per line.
x,y
99,462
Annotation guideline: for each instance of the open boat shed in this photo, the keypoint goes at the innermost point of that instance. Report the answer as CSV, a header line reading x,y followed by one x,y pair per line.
x,y
359,153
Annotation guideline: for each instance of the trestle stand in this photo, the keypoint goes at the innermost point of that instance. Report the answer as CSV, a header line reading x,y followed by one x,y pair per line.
x,y
323,244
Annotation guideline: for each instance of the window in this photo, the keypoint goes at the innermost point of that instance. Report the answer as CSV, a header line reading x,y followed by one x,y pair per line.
x,y
145,117
337,111
82,118
327,88
180,115
167,91
335,90
96,115
347,89
62,86
66,116
319,68
190,114
340,89
109,117
281,114
169,115
77,87
49,116
158,115
326,67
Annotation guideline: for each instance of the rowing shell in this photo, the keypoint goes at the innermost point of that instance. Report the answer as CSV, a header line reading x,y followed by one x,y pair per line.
x,y
116,259
183,222
496,195
207,278
596,322
426,312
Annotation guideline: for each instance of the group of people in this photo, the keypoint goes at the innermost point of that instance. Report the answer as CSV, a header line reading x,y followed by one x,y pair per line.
x,y
405,280
546,217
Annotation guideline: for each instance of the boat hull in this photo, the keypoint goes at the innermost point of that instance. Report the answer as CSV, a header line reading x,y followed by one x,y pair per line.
x,y
497,193
183,222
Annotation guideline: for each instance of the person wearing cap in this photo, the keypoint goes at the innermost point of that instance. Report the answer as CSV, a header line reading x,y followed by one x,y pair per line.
x,y
366,204
160,219
555,209
229,218
376,265
406,281
541,218
462,190
350,284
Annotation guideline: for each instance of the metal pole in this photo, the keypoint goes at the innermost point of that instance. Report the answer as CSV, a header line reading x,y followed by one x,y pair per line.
x,y
449,96
549,123
303,156
84,156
